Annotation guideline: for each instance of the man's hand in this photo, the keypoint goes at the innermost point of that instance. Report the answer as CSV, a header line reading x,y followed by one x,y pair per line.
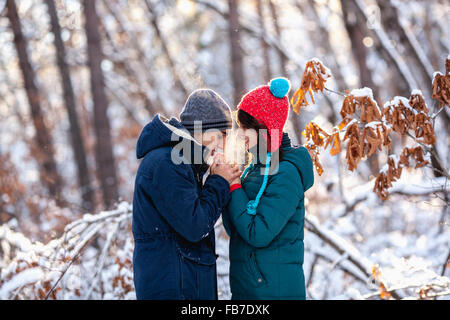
x,y
229,172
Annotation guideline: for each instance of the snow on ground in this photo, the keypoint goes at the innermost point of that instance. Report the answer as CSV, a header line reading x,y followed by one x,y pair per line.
x,y
92,259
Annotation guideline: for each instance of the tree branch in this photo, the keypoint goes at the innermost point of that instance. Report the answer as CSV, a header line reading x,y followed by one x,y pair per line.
x,y
342,247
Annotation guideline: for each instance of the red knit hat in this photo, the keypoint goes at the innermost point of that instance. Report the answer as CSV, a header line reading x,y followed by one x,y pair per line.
x,y
269,105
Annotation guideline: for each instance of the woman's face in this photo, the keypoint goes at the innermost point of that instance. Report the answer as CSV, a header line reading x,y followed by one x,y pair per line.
x,y
250,136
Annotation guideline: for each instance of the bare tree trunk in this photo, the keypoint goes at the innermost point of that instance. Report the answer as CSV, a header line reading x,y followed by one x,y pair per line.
x,y
274,13
406,81
237,65
296,121
322,34
121,64
356,35
390,19
264,45
152,105
428,27
77,140
44,150
104,150
154,21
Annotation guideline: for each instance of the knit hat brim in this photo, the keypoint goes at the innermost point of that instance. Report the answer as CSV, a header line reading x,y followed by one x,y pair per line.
x,y
203,125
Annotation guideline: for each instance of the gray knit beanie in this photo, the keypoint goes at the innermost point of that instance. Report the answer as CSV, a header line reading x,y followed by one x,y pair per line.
x,y
205,106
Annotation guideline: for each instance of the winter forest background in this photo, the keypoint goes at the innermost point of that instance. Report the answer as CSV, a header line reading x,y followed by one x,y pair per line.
x,y
79,80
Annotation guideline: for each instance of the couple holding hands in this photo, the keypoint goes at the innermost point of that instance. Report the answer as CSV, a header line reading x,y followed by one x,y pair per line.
x,y
183,186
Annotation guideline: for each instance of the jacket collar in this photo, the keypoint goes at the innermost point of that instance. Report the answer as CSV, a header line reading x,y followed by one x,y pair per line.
x,y
195,147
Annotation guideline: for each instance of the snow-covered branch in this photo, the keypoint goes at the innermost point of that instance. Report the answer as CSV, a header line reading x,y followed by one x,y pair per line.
x,y
38,271
346,250
339,244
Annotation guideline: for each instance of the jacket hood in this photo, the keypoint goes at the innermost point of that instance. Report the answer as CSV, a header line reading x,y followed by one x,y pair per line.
x,y
161,132
301,159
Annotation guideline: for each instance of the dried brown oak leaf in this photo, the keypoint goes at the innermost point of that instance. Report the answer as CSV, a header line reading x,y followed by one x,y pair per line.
x,y
314,153
399,114
313,80
371,141
376,273
354,151
319,137
423,128
315,137
381,185
390,172
417,155
315,133
441,86
393,169
361,99
335,142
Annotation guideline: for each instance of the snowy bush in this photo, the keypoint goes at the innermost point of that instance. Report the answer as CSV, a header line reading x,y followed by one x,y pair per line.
x,y
93,260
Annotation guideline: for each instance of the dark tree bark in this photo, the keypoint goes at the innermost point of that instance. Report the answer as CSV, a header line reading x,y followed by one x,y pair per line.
x,y
44,149
103,151
402,83
359,51
264,45
237,65
77,140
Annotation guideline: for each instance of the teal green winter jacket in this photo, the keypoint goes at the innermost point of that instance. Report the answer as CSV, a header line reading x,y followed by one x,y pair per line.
x,y
266,249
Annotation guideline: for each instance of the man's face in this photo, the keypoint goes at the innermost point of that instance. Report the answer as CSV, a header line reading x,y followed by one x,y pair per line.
x,y
214,140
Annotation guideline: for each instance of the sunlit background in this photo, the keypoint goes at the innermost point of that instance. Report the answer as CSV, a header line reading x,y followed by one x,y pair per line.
x,y
153,54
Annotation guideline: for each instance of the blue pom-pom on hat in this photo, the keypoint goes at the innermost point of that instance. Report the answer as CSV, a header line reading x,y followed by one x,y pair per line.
x,y
280,87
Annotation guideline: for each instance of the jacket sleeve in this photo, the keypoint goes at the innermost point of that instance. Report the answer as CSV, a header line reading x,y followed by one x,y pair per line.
x,y
174,193
277,205
226,220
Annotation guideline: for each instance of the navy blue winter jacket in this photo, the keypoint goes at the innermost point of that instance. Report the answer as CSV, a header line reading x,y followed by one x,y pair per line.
x,y
174,216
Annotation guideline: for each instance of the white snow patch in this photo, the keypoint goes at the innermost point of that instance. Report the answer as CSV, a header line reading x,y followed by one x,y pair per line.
x,y
362,92
23,278
373,124
327,71
437,73
396,159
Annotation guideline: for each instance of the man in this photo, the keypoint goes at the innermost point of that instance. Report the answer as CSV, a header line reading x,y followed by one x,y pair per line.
x,y
173,213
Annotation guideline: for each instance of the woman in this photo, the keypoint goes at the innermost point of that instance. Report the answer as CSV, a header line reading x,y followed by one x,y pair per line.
x,y
265,216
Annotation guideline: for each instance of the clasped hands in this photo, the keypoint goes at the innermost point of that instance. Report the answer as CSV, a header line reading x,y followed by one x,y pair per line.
x,y
229,171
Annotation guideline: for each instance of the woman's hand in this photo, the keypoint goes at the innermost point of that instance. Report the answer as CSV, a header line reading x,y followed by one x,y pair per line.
x,y
230,172
238,179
